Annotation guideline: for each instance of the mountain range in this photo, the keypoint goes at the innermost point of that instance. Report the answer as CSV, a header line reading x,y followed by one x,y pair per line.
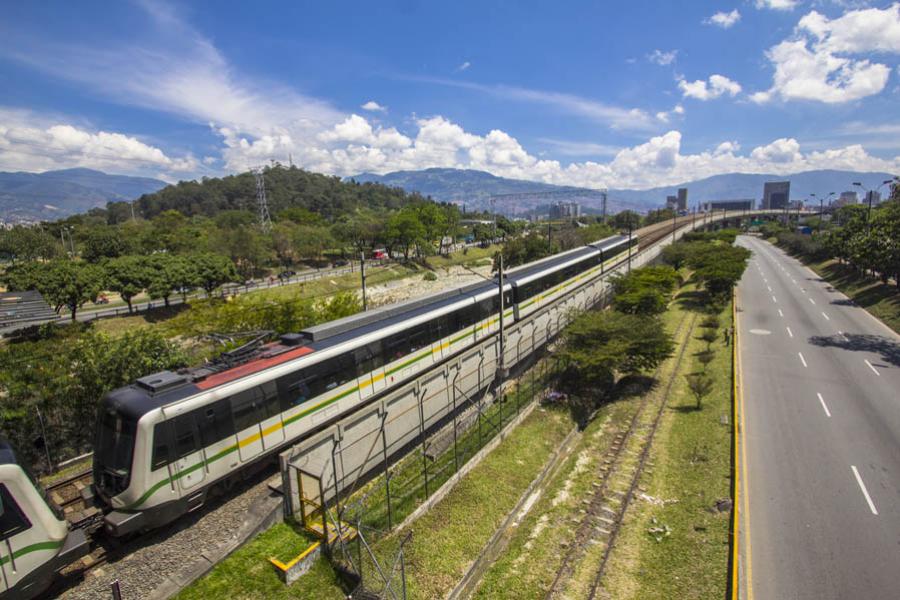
x,y
56,194
474,188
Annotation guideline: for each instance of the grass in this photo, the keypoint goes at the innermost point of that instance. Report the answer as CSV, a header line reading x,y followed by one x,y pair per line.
x,y
447,538
247,573
692,461
535,552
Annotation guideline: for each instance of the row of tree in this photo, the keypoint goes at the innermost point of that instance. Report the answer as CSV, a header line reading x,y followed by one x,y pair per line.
x,y
71,284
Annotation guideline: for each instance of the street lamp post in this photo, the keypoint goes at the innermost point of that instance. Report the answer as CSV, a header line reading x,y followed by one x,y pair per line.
x,y
870,195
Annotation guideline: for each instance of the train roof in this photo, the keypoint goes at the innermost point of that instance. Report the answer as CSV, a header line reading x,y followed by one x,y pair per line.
x,y
553,263
611,242
7,454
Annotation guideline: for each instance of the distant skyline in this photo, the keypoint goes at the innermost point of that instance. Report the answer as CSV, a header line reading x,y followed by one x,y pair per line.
x,y
589,94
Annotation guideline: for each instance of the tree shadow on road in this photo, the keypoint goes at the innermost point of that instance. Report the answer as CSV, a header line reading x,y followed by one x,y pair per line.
x,y
888,349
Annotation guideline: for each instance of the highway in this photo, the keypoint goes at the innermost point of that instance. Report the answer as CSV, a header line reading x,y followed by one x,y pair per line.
x,y
820,505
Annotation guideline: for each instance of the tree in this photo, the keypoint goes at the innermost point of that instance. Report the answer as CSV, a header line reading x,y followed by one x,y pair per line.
x,y
644,291
168,273
404,230
129,276
212,270
700,385
598,345
719,267
626,219
103,242
520,250
67,283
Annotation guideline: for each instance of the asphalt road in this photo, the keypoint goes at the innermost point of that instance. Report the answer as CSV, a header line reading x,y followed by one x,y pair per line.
x,y
820,513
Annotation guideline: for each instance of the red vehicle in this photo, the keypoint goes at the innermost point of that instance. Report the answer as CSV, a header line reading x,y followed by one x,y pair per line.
x,y
379,253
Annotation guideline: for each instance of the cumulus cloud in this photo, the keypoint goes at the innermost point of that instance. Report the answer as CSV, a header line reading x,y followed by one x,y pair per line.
x,y
663,58
464,66
716,86
373,106
814,63
777,4
724,19
31,142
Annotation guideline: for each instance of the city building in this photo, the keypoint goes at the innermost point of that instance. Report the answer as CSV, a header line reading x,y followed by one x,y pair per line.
x,y
565,210
672,202
744,204
846,198
682,199
776,194
873,197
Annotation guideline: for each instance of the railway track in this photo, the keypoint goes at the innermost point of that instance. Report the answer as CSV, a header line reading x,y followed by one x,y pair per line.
x,y
68,495
621,466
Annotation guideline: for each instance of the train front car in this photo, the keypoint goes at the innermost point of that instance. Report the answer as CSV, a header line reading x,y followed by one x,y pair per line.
x,y
122,447
34,541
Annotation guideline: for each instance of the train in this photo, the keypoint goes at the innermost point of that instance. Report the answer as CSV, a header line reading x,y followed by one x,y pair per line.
x,y
35,540
168,440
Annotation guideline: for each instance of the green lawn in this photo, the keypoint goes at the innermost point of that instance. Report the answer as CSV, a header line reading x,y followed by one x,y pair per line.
x,y
247,573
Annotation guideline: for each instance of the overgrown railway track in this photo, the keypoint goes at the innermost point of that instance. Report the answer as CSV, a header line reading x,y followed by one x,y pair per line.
x,y
621,466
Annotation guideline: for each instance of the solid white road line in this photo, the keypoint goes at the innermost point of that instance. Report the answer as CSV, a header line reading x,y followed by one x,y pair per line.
x,y
790,333
780,314
803,360
865,492
822,400
873,368
826,316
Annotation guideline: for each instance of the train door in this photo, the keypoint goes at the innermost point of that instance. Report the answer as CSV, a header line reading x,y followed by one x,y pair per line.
x,y
246,409
190,465
13,524
271,429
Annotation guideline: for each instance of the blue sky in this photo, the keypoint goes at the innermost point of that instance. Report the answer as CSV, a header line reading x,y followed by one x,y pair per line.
x,y
633,94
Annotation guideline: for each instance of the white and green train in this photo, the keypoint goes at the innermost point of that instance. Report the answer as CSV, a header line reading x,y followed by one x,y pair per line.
x,y
36,540
164,442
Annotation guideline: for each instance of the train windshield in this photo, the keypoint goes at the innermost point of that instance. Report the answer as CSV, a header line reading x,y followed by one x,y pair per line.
x,y
113,452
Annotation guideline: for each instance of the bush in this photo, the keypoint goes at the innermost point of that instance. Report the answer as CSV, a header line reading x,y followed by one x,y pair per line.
x,y
430,276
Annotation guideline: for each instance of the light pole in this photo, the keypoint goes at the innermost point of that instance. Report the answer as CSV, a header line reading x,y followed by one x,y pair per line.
x,y
870,195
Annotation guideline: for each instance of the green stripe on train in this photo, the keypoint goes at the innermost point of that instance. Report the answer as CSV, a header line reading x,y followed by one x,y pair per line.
x,y
49,545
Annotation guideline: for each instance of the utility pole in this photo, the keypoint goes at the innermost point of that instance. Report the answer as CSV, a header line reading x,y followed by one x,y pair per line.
x,y
603,194
674,216
629,244
501,363
362,270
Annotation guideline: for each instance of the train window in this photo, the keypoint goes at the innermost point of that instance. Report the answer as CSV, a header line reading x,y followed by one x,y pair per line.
x,y
185,435
214,422
367,358
419,337
329,374
293,390
485,308
396,346
12,520
162,442
244,409
270,399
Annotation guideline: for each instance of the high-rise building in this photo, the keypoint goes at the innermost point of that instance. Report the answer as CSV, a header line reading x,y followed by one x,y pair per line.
x,y
565,210
682,199
776,195
672,202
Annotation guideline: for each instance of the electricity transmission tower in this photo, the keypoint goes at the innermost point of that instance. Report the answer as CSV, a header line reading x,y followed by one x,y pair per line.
x,y
265,221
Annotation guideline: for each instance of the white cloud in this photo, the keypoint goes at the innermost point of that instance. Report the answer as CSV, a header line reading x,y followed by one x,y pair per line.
x,y
373,106
727,148
782,150
662,58
678,110
31,142
709,90
616,117
777,4
724,19
664,115
813,65
570,148
464,66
